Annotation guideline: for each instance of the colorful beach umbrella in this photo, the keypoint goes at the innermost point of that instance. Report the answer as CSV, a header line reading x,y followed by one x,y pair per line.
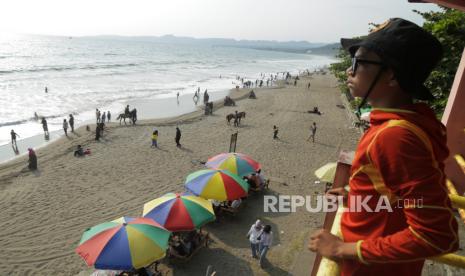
x,y
237,163
217,184
180,212
124,244
327,172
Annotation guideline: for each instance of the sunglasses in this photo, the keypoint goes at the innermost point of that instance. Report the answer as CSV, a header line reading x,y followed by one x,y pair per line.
x,y
356,61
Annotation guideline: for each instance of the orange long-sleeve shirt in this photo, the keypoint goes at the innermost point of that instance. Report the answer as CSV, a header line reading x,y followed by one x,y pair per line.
x,y
400,157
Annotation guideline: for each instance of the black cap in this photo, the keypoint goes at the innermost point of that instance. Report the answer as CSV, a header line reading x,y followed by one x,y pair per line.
x,y
409,50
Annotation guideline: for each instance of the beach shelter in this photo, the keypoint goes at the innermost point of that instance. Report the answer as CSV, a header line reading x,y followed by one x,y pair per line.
x,y
221,185
124,244
327,172
180,212
237,163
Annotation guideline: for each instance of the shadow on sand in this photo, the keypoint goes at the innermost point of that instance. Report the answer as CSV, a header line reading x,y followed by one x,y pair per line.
x,y
221,261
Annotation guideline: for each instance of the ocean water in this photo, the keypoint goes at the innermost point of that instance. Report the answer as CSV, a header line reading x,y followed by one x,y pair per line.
x,y
83,74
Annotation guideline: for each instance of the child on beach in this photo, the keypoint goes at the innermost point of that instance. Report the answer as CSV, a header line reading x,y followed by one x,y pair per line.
x,y
79,151
399,158
45,126
312,132
65,127
13,137
155,138
275,132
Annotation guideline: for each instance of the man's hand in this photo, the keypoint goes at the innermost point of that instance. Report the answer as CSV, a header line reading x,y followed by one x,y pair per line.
x,y
331,246
338,192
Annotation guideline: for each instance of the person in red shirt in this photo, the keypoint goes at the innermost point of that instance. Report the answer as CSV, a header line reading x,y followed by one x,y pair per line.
x,y
399,158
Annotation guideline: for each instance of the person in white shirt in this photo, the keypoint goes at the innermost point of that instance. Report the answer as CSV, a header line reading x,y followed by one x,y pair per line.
x,y
254,232
266,239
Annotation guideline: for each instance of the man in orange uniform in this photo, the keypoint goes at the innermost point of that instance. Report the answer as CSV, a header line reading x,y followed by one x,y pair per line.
x,y
400,158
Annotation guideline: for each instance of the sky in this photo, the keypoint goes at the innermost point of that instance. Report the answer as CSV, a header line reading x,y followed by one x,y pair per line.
x,y
282,20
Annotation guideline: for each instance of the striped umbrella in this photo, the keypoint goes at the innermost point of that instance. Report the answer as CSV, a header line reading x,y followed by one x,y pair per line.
x,y
237,163
327,172
216,184
180,212
124,244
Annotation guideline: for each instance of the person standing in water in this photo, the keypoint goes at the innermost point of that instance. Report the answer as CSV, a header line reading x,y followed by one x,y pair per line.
x,y
108,116
45,126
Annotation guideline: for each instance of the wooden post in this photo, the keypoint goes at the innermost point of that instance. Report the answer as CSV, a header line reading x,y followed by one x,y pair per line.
x,y
341,179
233,142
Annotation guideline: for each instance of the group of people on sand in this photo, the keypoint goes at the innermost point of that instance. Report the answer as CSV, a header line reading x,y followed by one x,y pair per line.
x,y
313,129
177,138
260,238
69,123
102,117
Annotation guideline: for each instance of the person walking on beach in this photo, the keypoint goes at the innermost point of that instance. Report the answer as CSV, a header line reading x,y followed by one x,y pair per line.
x,y
312,132
46,89
177,138
308,86
45,126
399,160
13,138
275,132
71,122
108,116
65,126
32,160
155,139
104,117
266,240
255,232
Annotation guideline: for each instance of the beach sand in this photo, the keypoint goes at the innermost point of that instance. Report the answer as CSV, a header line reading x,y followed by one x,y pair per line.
x,y
44,214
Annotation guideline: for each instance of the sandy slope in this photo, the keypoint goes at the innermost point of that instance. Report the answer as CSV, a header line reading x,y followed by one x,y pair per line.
x,y
44,214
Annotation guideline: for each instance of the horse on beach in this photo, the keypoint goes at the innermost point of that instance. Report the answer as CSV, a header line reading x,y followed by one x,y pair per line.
x,y
132,116
231,116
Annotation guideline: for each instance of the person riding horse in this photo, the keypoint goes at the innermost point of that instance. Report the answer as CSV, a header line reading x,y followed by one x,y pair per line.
x,y
132,115
126,110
